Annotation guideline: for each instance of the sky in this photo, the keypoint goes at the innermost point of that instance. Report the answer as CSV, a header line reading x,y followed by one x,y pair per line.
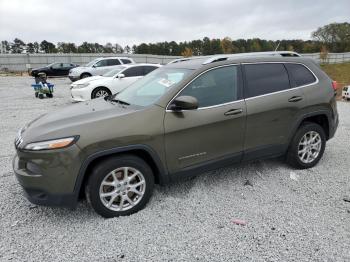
x,y
129,22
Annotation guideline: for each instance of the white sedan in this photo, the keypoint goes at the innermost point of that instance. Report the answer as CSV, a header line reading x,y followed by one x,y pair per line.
x,y
112,82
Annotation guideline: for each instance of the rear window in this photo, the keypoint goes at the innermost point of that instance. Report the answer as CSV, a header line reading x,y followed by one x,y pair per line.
x,y
112,62
126,61
265,79
300,75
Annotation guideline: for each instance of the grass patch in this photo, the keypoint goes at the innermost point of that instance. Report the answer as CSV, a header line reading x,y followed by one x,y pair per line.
x,y
338,72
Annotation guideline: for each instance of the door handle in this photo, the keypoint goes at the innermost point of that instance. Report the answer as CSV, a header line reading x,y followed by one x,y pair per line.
x,y
295,99
233,112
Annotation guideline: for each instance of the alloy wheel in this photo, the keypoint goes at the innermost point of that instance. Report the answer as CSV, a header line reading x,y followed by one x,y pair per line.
x,y
309,147
122,189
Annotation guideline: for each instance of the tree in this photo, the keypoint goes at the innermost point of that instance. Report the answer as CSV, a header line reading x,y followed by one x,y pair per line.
x,y
335,36
66,48
30,48
47,47
187,52
118,49
36,47
207,46
6,47
17,46
108,48
226,45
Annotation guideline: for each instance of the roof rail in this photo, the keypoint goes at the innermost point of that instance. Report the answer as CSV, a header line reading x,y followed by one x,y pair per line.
x,y
217,58
183,59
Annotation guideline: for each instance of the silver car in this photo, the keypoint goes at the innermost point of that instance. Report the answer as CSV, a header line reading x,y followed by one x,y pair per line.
x,y
97,67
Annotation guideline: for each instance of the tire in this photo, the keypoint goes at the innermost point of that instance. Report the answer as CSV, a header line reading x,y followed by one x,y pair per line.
x,y
100,92
36,94
105,205
84,75
49,95
306,156
41,96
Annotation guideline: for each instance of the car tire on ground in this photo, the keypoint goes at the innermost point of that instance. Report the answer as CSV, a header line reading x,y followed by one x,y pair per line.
x,y
119,186
84,75
307,146
41,96
100,92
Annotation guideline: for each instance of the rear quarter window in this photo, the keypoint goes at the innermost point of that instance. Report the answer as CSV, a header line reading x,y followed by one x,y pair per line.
x,y
300,75
126,61
264,79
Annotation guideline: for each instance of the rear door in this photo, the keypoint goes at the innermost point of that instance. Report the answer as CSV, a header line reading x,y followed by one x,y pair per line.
x,y
273,107
215,130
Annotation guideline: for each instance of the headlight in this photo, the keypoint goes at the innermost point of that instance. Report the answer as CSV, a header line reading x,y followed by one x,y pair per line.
x,y
51,144
81,85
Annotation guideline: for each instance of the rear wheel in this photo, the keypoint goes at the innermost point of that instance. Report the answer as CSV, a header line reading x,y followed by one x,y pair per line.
x,y
100,92
307,146
84,75
41,96
120,186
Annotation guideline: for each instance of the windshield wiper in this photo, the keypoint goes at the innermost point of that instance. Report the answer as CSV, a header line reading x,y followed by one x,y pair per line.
x,y
112,99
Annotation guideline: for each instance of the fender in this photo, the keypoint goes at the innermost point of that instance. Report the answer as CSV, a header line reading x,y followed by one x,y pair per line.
x,y
303,117
163,173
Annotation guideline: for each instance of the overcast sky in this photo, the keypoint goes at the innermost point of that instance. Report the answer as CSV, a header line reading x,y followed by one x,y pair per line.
x,y
135,21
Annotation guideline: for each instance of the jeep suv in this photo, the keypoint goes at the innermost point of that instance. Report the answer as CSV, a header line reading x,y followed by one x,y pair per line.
x,y
180,120
99,66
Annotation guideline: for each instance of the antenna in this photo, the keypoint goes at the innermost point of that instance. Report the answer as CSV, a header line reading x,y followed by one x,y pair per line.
x,y
278,45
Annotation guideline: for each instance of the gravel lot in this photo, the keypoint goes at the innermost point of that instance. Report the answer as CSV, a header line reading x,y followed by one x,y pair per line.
x,y
291,215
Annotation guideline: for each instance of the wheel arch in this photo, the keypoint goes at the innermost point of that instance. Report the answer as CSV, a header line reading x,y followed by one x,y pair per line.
x,y
144,152
84,73
321,117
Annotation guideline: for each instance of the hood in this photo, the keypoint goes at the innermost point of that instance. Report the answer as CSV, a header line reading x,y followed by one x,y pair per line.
x,y
87,80
69,120
40,68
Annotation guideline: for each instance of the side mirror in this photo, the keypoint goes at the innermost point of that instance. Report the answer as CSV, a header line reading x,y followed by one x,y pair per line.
x,y
120,76
184,103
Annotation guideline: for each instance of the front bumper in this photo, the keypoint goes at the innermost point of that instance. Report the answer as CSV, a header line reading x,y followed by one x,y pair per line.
x,y
49,178
80,94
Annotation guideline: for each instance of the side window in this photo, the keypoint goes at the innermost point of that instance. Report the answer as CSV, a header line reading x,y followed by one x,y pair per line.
x,y
133,71
300,75
215,87
126,61
148,69
57,66
101,63
112,62
265,79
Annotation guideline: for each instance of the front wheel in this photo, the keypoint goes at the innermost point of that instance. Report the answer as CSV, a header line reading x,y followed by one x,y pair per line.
x,y
307,146
100,92
120,186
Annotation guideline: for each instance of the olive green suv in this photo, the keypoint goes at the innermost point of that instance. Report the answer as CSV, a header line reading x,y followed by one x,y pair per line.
x,y
182,119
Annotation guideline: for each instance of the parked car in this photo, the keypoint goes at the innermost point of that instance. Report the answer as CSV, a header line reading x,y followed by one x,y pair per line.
x,y
346,92
180,120
112,82
97,67
54,69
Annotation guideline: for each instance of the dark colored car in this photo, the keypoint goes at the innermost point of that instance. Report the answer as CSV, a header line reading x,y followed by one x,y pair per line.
x,y
55,69
180,120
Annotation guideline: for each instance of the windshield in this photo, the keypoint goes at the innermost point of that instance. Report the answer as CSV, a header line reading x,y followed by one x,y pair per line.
x,y
114,71
149,89
91,63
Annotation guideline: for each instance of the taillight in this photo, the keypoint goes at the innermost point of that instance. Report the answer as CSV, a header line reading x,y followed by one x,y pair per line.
x,y
334,85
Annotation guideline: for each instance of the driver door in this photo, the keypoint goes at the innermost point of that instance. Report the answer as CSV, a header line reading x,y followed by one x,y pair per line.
x,y
214,131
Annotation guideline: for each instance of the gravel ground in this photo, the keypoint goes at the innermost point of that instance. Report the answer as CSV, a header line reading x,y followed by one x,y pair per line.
x,y
290,215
